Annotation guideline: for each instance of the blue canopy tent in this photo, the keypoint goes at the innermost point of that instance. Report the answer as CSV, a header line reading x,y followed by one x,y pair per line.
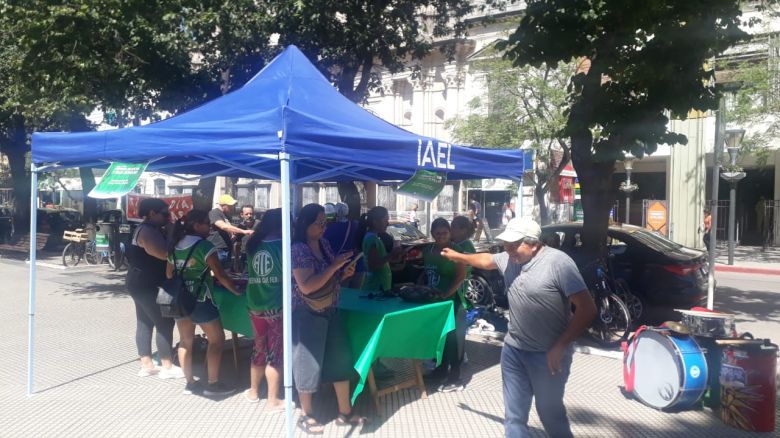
x,y
287,123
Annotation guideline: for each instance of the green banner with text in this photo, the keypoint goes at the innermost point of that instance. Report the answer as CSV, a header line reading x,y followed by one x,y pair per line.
x,y
119,179
424,185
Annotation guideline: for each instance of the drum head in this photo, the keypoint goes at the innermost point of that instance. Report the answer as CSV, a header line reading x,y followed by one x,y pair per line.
x,y
657,370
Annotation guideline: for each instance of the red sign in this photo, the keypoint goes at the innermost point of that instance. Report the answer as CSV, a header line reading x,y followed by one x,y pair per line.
x,y
178,205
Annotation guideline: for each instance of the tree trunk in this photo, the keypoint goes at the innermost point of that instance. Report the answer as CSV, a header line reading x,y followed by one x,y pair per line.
x,y
20,178
544,212
595,183
349,194
89,212
203,196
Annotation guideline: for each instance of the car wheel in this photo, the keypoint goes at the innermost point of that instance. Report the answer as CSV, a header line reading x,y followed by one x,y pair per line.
x,y
478,291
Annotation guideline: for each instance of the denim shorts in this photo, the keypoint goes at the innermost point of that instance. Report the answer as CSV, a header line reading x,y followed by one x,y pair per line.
x,y
205,311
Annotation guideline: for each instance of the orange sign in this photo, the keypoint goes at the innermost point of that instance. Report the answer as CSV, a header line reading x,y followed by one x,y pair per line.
x,y
178,205
656,217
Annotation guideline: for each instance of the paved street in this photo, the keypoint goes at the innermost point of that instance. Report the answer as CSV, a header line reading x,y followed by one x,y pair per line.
x,y
86,383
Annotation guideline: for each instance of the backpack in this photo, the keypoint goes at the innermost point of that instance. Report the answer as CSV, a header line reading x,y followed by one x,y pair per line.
x,y
173,297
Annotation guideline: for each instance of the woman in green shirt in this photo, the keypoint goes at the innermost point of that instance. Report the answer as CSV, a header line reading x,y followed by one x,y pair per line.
x,y
446,276
378,274
264,301
190,246
461,231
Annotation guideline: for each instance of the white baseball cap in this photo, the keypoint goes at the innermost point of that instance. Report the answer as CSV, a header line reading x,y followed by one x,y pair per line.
x,y
519,228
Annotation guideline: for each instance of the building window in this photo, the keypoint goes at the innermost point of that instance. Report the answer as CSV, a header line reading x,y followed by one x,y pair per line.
x,y
445,202
310,194
386,197
332,194
159,187
246,196
262,197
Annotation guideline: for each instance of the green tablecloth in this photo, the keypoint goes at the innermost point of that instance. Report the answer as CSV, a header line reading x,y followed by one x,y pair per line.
x,y
376,328
233,312
393,328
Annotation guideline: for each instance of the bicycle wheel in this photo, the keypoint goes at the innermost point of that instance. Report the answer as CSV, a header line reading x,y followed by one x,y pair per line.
x,y
90,253
71,255
633,302
612,321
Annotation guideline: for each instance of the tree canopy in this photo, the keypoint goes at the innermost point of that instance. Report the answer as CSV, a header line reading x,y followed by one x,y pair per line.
x,y
640,65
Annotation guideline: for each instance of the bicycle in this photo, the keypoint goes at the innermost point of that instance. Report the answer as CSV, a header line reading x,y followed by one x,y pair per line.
x,y
613,319
79,247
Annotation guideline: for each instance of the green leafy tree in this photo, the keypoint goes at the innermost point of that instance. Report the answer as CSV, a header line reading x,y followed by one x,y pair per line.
x,y
639,63
523,107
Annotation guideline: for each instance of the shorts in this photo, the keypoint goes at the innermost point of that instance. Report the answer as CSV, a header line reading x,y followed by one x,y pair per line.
x,y
267,327
205,311
321,349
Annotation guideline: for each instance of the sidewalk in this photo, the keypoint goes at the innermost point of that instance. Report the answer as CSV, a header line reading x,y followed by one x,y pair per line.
x,y
749,260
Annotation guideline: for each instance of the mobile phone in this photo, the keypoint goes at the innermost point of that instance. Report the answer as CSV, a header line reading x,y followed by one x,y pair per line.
x,y
355,258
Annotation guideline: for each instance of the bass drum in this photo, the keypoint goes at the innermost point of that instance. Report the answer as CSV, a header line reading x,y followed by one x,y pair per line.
x,y
668,370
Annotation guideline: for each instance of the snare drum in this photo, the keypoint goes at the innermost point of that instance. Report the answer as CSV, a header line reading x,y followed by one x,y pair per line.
x,y
710,324
666,370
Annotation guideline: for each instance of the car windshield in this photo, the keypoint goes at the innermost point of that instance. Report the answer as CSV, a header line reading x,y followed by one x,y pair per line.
x,y
404,232
658,243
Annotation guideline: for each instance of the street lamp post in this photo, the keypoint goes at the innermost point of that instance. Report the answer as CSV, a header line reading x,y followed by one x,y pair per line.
x,y
627,186
733,175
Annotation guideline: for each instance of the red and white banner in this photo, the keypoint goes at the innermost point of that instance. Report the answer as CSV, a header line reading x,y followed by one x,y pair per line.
x,y
178,205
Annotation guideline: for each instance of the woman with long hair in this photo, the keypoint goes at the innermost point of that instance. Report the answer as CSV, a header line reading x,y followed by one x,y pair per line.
x,y
321,350
446,276
147,255
378,257
264,302
189,245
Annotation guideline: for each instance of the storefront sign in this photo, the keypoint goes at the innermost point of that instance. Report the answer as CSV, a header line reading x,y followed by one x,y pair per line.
x,y
119,179
656,216
178,205
424,185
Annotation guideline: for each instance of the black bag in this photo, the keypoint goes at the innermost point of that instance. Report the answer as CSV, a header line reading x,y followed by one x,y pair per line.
x,y
173,297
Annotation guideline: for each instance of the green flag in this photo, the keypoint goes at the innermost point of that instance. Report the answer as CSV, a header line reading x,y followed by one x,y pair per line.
x,y
119,179
424,185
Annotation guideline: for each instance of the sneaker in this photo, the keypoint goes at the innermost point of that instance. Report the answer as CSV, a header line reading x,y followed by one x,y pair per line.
x,y
193,387
146,372
217,389
451,387
173,372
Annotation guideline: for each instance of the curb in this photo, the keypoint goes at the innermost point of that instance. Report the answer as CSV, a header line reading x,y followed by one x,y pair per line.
x,y
746,270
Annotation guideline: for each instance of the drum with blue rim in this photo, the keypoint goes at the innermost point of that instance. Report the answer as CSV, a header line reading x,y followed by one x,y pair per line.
x,y
669,369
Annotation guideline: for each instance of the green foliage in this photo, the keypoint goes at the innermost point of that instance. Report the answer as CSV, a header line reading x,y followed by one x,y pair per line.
x,y
643,61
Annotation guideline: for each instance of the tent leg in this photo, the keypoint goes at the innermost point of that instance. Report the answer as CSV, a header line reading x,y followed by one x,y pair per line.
x,y
284,164
31,295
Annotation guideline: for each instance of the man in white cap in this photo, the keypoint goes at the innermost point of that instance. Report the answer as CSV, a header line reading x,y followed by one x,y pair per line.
x,y
221,228
542,283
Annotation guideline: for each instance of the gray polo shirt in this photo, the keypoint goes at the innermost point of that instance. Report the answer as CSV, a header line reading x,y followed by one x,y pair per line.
x,y
538,292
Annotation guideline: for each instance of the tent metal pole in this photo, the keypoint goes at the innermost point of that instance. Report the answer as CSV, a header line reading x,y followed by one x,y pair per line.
x,y
31,295
284,171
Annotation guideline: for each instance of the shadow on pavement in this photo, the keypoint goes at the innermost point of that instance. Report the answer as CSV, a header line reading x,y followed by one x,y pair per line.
x,y
759,305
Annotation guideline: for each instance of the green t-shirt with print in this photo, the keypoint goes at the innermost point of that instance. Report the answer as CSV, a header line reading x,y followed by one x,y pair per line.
x,y
264,290
197,266
381,279
439,272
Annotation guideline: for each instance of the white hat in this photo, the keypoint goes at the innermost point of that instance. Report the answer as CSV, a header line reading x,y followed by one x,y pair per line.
x,y
519,228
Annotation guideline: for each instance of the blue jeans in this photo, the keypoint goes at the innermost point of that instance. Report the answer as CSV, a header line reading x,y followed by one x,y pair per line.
x,y
525,376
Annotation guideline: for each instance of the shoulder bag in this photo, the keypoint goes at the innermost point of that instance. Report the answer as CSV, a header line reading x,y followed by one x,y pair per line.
x,y
173,296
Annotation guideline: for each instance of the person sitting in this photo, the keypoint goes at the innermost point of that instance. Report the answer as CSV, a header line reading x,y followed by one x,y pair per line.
x,y
264,301
321,349
190,239
446,276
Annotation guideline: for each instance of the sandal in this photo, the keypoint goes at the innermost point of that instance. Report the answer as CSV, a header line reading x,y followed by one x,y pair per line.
x,y
352,420
308,424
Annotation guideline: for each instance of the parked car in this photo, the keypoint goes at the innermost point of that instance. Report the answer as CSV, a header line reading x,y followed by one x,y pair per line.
x,y
658,271
483,287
